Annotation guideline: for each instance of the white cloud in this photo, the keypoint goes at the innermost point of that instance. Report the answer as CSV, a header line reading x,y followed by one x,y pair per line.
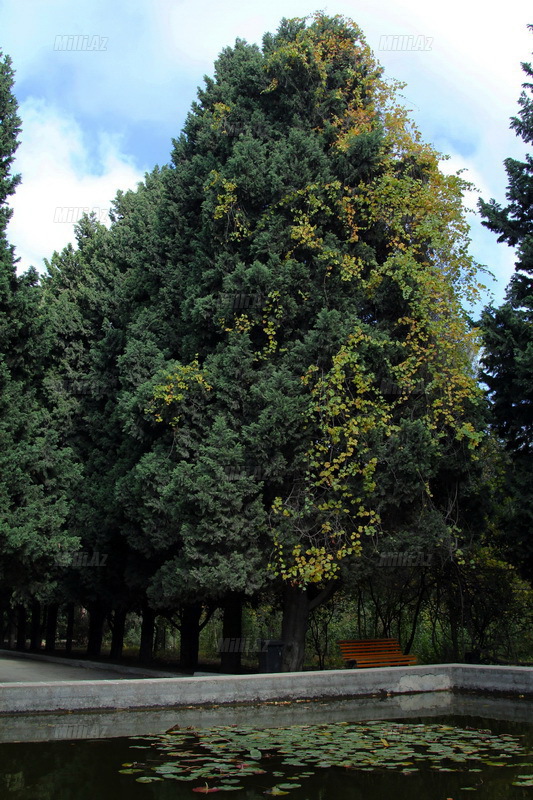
x,y
462,91
61,170
498,259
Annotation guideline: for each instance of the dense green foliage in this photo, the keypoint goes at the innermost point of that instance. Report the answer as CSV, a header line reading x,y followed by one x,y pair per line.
x,y
37,476
260,377
508,341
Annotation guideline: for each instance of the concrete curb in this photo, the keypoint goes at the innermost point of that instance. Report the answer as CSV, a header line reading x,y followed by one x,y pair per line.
x,y
175,692
501,680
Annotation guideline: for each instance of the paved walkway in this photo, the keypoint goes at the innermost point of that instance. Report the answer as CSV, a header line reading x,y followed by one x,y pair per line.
x,y
16,667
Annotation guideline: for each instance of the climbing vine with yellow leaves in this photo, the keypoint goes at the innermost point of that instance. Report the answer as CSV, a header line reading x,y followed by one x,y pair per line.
x,y
420,214
377,232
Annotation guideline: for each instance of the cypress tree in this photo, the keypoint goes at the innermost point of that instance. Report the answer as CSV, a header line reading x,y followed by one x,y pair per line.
x,y
507,360
316,255
37,474
279,367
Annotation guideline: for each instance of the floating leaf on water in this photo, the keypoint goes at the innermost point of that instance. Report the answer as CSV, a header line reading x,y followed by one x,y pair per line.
x,y
143,738
225,754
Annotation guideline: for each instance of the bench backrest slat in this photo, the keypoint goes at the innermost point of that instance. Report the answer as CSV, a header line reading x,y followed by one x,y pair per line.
x,y
374,651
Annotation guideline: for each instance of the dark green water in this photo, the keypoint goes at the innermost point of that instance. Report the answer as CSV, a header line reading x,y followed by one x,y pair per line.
x,y
88,769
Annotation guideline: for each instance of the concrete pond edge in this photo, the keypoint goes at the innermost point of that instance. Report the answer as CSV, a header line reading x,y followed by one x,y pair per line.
x,y
153,693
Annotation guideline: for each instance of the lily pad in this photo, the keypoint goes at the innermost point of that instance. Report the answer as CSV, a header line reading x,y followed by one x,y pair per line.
x,y
223,757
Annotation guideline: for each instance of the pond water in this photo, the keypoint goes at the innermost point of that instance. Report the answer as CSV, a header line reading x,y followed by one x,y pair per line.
x,y
436,746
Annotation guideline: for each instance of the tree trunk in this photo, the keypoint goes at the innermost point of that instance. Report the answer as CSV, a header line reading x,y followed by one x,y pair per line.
x,y
3,625
117,637
35,630
146,647
230,657
51,628
12,632
96,629
297,605
421,594
70,628
22,620
455,610
160,636
294,628
190,636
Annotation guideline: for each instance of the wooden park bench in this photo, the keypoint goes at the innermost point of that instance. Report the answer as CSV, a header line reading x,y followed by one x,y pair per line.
x,y
374,653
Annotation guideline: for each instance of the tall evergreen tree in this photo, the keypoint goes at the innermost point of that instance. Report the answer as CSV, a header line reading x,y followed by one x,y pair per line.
x,y
300,185
507,363
36,471
277,370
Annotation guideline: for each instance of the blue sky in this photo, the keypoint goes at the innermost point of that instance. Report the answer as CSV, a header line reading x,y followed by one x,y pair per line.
x,y
94,121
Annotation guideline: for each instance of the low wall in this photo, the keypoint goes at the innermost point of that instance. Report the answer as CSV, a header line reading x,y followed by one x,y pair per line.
x,y
175,692
508,680
111,724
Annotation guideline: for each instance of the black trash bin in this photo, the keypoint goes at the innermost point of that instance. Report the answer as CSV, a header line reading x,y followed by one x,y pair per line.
x,y
270,655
